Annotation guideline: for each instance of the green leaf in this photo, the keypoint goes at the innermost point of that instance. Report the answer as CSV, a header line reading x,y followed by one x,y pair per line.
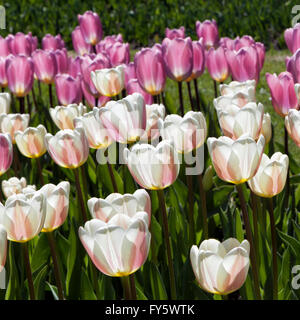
x,y
53,290
157,284
41,252
291,242
86,290
39,283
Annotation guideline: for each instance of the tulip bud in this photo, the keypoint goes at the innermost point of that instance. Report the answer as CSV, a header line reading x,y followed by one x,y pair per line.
x,y
161,164
91,27
6,153
236,161
68,89
198,60
11,123
62,61
292,124
5,100
127,239
30,142
266,129
115,203
56,205
178,58
45,65
108,41
119,53
68,148
13,186
271,175
23,218
220,268
4,48
208,178
64,117
20,43
208,30
293,66
109,82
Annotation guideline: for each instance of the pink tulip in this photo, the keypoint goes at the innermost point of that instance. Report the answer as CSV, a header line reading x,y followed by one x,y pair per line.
x,y
20,44
52,43
293,66
178,58
283,92
129,72
134,86
3,77
4,48
74,68
6,153
68,148
198,60
150,72
80,46
217,65
107,41
153,168
68,89
45,66
208,30
244,64
119,53
292,38
175,33
19,71
91,27
62,61
244,41
119,247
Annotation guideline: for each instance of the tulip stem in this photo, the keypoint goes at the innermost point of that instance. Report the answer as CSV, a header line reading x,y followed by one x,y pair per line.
x,y
190,95
16,161
163,99
80,195
203,206
50,95
28,104
286,151
250,239
255,223
274,250
112,177
28,270
126,288
34,99
162,205
197,94
215,89
132,286
180,98
38,164
192,236
54,255
22,104
39,88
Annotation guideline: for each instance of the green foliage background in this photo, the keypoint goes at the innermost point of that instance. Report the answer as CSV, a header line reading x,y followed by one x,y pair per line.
x,y
143,20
